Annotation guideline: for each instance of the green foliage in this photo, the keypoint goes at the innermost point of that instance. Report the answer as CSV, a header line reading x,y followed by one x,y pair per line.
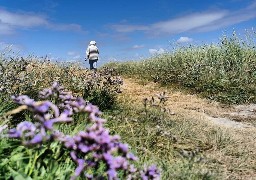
x,y
103,98
28,75
45,162
6,106
225,72
101,89
156,137
13,76
18,162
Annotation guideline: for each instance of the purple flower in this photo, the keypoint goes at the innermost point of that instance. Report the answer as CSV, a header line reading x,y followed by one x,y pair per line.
x,y
68,111
83,148
36,140
150,173
55,85
112,174
70,143
91,135
45,93
73,155
49,124
24,129
89,176
82,134
103,138
63,117
58,135
42,108
118,162
13,133
131,156
79,104
23,99
95,118
26,126
29,133
92,109
77,138
123,148
67,97
87,148
54,108
132,169
108,157
80,167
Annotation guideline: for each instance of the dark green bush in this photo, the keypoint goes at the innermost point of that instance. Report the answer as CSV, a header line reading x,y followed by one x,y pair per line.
x,y
102,88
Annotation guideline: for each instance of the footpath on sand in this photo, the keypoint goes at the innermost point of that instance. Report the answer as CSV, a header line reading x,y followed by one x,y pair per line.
x,y
241,117
236,159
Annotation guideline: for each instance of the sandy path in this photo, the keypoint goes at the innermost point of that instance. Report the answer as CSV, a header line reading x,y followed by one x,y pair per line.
x,y
237,160
193,107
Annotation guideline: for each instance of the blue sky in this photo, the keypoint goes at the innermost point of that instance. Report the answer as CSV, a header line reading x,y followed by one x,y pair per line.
x,y
123,30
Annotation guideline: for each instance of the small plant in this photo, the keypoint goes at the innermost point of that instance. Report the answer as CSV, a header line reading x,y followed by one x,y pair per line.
x,y
159,103
101,88
95,151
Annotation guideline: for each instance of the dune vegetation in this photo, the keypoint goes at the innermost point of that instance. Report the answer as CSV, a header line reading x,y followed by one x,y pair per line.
x,y
223,71
130,120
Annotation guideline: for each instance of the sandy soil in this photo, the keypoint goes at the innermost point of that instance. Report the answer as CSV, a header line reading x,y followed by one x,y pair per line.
x,y
192,106
239,122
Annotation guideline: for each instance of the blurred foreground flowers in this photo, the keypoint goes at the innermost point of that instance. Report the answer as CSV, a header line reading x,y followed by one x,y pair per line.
x,y
90,149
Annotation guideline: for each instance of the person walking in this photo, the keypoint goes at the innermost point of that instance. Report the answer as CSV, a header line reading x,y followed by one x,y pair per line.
x,y
92,54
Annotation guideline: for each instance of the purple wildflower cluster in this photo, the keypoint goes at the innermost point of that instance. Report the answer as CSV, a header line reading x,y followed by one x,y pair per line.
x,y
88,148
104,79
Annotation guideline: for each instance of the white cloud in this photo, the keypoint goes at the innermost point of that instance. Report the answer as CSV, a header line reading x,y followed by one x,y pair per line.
x,y
184,40
74,55
71,53
137,46
231,18
111,59
177,25
134,47
187,23
198,22
156,51
65,27
5,29
10,21
129,28
23,20
77,57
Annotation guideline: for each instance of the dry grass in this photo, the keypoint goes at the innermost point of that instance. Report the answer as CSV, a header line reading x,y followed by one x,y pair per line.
x,y
230,149
180,103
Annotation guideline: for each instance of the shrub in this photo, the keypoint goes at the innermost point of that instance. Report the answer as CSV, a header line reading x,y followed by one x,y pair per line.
x,y
224,72
101,88
28,75
96,153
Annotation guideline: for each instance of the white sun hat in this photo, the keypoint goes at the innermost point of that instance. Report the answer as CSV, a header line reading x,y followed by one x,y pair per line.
x,y
93,43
